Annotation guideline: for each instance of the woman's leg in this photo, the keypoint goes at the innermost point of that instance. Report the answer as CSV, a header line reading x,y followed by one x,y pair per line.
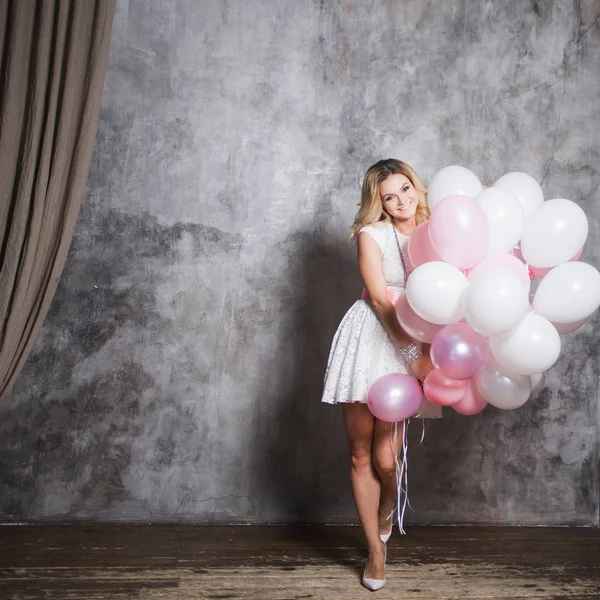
x,y
360,425
384,459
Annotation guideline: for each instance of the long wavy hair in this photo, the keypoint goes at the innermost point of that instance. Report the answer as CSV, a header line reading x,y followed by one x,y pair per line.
x,y
371,209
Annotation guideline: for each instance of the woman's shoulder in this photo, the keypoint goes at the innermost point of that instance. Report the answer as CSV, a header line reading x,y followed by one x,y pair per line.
x,y
376,228
378,231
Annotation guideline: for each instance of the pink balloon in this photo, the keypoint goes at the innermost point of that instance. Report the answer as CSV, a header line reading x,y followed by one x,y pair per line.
x,y
543,271
505,262
394,397
420,249
416,327
443,391
459,231
459,352
472,402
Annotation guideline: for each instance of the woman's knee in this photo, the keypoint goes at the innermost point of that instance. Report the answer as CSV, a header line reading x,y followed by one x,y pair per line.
x,y
361,458
385,466
387,450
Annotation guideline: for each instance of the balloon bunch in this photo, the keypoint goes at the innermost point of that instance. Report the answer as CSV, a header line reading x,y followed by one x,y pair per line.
x,y
469,294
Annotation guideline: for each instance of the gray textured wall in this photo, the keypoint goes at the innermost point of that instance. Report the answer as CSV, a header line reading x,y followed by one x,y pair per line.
x,y
178,374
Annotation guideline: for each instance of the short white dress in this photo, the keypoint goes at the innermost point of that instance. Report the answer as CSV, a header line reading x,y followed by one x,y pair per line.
x,y
362,350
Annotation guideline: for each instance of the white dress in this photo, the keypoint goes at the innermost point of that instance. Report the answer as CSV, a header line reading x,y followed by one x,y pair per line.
x,y
362,350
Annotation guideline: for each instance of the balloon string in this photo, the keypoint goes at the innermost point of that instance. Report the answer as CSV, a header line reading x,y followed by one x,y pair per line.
x,y
405,450
401,475
405,465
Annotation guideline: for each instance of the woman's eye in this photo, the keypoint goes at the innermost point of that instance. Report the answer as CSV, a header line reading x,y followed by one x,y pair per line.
x,y
405,189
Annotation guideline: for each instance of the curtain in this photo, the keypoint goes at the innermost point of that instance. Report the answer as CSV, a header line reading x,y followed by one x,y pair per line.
x,y
53,56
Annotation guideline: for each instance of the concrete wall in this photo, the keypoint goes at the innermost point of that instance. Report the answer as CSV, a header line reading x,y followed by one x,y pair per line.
x,y
178,374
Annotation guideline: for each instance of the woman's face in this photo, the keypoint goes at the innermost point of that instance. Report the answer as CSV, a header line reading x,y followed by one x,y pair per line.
x,y
399,197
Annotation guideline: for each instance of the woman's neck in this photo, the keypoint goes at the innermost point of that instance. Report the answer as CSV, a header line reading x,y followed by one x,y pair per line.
x,y
405,227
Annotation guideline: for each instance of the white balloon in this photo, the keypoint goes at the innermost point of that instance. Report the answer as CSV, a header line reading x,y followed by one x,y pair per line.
x,y
434,291
524,187
531,347
554,233
502,387
505,216
452,181
495,302
503,261
568,293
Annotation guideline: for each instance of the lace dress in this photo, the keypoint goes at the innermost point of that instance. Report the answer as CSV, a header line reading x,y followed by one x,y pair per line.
x,y
362,350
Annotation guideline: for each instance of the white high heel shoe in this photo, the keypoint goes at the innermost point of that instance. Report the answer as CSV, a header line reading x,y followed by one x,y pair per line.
x,y
386,536
374,584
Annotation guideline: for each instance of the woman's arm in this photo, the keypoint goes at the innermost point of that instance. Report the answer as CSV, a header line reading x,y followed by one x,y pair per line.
x,y
370,265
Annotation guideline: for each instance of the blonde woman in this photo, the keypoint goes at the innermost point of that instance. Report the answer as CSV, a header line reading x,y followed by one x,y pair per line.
x,y
370,343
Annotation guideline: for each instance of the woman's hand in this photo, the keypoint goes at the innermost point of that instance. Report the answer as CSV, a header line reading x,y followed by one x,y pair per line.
x,y
422,367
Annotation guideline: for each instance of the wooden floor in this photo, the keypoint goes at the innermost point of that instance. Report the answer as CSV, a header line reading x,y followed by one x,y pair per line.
x,y
282,562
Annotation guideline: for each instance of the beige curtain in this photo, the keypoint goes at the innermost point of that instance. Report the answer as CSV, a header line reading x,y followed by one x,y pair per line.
x,y
53,56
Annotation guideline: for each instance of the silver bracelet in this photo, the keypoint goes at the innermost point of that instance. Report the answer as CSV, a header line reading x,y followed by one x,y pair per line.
x,y
411,352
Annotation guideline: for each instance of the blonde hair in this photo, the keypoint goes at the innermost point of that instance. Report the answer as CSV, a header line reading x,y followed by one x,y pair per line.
x,y
371,209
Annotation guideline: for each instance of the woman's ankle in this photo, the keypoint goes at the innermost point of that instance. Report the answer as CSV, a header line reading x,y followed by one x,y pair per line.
x,y
377,547
386,509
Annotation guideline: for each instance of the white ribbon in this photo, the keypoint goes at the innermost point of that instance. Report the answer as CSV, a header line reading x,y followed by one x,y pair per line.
x,y
402,473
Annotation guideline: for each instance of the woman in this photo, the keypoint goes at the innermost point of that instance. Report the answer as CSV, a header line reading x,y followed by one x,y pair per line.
x,y
370,343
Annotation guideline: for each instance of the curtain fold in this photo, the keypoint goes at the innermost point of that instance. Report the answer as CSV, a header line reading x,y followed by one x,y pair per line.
x,y
53,56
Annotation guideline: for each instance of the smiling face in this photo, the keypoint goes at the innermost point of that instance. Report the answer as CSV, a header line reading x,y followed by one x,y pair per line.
x,y
392,190
399,197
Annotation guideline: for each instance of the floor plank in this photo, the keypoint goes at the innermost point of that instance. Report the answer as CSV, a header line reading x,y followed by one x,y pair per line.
x,y
284,562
